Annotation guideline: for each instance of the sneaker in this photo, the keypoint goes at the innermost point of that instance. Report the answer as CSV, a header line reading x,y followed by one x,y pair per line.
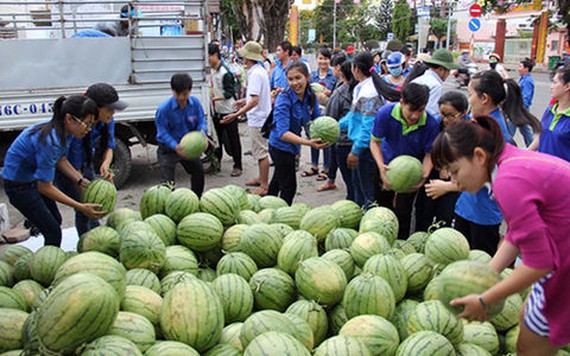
x,y
236,172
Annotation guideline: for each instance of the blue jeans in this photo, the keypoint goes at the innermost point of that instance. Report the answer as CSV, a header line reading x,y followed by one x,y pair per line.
x,y
38,209
82,223
362,180
326,158
525,130
339,158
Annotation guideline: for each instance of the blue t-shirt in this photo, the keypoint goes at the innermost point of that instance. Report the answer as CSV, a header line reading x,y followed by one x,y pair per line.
x,y
76,154
527,89
555,135
172,122
291,114
28,159
328,81
278,77
398,138
480,208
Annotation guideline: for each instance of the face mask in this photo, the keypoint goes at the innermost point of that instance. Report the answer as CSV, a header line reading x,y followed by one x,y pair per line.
x,y
395,71
493,65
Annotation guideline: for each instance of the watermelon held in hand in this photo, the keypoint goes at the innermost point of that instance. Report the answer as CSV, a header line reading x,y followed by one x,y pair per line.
x,y
404,173
100,191
193,144
326,128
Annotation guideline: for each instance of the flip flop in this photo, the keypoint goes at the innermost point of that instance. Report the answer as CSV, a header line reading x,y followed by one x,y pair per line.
x,y
326,186
253,183
258,191
322,176
310,172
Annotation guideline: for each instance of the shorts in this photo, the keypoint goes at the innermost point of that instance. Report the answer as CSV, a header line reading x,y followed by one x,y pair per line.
x,y
533,316
259,149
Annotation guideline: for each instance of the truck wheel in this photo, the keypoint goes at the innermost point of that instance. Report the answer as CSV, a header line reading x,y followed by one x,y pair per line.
x,y
121,164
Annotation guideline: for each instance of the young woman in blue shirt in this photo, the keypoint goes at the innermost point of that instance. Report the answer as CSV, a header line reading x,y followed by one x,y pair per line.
x,y
31,162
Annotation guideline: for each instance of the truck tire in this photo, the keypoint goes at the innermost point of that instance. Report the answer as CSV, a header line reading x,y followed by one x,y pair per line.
x,y
121,164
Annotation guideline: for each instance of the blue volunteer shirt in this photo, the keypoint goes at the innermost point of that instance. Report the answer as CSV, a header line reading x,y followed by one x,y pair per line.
x,y
278,76
28,159
328,81
291,114
527,89
481,208
173,122
555,135
76,154
398,138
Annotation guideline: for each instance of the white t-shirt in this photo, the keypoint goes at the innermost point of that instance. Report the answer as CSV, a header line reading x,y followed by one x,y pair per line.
x,y
435,85
258,84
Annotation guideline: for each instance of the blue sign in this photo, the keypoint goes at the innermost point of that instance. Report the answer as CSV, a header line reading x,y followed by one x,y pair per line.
x,y
474,24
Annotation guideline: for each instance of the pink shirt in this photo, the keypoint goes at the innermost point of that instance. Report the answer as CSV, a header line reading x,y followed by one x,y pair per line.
x,y
533,192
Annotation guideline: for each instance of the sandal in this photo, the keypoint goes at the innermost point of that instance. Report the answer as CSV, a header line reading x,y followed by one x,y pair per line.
x,y
236,172
258,191
310,172
322,176
253,183
326,186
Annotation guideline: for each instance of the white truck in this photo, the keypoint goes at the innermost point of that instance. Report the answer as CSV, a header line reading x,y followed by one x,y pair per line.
x,y
41,60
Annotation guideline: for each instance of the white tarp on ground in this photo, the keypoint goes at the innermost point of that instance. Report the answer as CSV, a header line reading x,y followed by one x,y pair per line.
x,y
68,242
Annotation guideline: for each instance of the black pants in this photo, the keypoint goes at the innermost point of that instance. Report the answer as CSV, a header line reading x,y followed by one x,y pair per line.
x,y
167,160
284,182
480,237
429,211
228,137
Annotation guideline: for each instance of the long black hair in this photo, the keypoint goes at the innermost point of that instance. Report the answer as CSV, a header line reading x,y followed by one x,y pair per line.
x,y
365,62
79,106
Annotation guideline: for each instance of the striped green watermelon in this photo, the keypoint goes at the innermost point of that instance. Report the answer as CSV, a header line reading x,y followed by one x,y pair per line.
x,y
12,253
368,294
337,318
432,290
193,144
101,239
111,345
221,204
174,278
262,243
200,231
142,249
272,202
426,343
232,237
240,194
391,270
179,258
404,173
223,350
325,128
6,274
278,343
343,259
238,263
235,295
134,327
480,256
466,349
231,334
206,274
401,316
100,191
418,240
248,217
404,246
253,202
340,238
289,216
144,278
40,299
10,298
342,346
446,245
481,334
320,221
29,289
171,348
80,309
432,315
324,288
153,200
99,264
380,220
181,203
22,268
511,338
265,216
45,263
131,225
193,314
264,321
272,289
143,301
419,270
295,249
122,215
377,333
164,227
349,213
509,316
366,245
396,253
282,229
11,323
314,314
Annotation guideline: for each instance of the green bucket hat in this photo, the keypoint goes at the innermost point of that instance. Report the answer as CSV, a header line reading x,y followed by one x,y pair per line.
x,y
444,58
252,51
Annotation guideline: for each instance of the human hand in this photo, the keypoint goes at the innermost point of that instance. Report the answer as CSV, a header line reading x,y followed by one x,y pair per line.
x,y
228,118
317,144
473,309
385,183
93,211
239,104
105,172
352,160
83,183
436,188
180,152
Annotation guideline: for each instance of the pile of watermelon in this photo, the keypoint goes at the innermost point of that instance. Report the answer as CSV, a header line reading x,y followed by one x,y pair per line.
x,y
233,274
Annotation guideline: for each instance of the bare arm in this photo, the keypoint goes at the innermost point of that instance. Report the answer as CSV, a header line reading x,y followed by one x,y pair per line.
x,y
376,151
50,191
107,159
534,145
231,117
73,174
314,143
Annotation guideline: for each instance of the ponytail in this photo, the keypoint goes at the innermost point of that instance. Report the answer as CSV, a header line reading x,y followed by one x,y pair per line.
x,y
384,89
418,70
514,109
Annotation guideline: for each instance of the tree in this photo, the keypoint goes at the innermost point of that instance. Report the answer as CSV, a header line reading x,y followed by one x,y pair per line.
x,y
384,18
438,28
401,20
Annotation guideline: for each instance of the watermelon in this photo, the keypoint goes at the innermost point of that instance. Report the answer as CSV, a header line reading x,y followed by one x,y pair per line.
x,y
300,246
6,274
211,257
231,238
446,245
337,318
122,215
404,173
511,339
21,268
404,246
142,249
272,202
221,204
238,263
349,213
29,334
100,239
314,314
181,203
111,345
40,298
153,200
100,191
426,343
235,295
343,259
273,342
264,321
382,221
272,289
179,258
480,256
12,324
200,231
481,334
320,221
134,327
389,268
402,315
466,349
342,346
240,194
340,238
223,350
432,290
193,144
366,245
265,216
377,333
45,263
163,227
289,216
193,314
324,288
368,294
418,240
173,279
304,331
80,309
253,202
324,128
432,315
282,229
10,298
12,253
419,270
230,335
262,243
509,316
143,301
206,274
170,348
29,289
248,217
144,278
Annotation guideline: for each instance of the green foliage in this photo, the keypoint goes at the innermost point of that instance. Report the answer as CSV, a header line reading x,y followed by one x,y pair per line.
x,y
401,20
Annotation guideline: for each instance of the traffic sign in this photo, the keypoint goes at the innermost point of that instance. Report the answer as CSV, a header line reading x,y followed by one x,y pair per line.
x,y
474,24
475,10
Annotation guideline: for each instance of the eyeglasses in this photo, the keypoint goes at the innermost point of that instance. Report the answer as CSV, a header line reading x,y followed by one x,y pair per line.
x,y
82,123
450,116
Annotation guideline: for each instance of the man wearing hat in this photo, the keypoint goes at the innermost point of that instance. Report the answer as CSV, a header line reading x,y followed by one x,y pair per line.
x,y
439,67
256,106
494,63
350,52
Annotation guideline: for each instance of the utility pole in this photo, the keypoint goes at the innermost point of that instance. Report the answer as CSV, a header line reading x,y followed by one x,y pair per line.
x,y
334,24
449,14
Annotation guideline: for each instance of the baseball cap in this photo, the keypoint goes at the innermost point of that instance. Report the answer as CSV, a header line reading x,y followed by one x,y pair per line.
x,y
350,49
395,59
105,96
